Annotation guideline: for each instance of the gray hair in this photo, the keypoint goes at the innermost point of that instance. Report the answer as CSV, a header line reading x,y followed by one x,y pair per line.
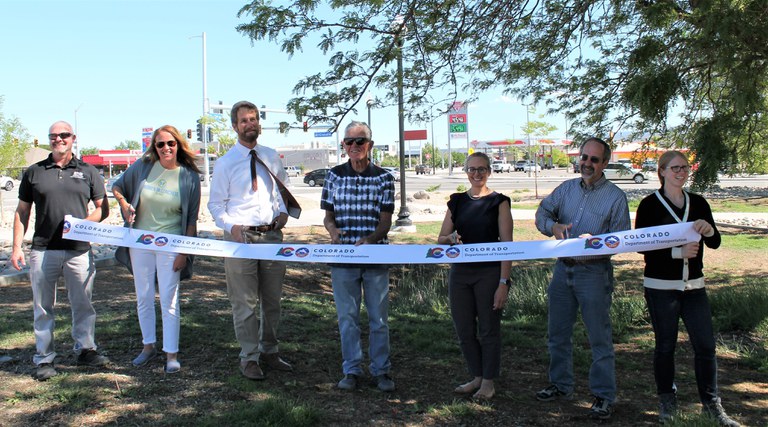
x,y
354,124
606,147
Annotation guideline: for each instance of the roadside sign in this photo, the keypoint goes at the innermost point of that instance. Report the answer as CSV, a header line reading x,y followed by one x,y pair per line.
x,y
217,116
458,121
323,134
146,138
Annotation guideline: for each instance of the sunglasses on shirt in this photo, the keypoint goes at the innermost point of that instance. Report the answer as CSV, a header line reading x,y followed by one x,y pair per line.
x,y
357,141
161,144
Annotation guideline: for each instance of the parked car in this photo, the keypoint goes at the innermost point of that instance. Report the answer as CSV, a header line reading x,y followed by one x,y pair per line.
x,y
498,166
395,172
111,182
618,171
520,165
7,183
423,169
531,167
292,170
315,177
650,165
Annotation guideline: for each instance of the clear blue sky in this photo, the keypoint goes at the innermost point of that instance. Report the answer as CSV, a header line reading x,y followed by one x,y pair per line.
x,y
128,65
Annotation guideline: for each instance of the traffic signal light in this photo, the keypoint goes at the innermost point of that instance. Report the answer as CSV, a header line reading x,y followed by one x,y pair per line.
x,y
200,130
306,126
189,134
262,113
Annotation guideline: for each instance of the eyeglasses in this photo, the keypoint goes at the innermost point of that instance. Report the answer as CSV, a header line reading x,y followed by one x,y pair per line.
x,y
63,135
480,170
358,141
161,144
677,169
593,159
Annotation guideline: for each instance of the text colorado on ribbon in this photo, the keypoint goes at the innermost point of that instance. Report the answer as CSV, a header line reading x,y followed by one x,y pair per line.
x,y
643,239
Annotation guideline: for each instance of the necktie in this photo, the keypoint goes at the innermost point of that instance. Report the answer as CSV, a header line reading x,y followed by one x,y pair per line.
x,y
294,209
254,182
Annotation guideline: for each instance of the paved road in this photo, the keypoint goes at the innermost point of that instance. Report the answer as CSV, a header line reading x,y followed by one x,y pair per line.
x,y
508,183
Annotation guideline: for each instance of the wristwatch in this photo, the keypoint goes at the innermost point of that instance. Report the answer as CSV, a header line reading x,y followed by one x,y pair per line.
x,y
507,282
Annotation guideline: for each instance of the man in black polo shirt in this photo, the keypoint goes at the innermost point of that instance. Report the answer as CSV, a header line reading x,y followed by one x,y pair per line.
x,y
60,185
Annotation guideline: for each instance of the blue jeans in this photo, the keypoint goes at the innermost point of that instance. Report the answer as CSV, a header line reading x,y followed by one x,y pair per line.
x,y
589,287
349,285
666,309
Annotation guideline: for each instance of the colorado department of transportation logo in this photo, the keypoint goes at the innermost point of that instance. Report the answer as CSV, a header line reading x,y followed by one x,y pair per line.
x,y
161,241
286,252
452,252
302,252
593,243
435,253
145,239
612,241
67,227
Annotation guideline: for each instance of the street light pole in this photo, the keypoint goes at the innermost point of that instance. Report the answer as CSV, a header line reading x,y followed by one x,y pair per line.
x,y
75,145
403,217
369,104
206,164
432,124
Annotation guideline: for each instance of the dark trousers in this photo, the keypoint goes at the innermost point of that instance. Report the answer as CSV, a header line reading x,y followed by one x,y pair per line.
x,y
478,325
666,308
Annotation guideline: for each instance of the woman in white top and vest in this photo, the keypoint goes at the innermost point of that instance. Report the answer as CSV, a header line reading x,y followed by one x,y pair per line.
x,y
160,193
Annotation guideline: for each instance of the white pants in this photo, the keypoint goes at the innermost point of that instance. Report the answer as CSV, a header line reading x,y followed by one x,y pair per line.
x,y
78,269
146,266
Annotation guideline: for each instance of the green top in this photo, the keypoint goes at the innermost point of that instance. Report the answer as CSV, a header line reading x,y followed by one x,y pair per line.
x,y
160,207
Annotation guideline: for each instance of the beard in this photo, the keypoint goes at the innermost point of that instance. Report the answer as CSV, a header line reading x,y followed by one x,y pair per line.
x,y
249,136
587,170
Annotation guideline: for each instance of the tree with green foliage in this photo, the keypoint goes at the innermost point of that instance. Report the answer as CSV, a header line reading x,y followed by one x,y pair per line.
x,y
14,142
609,66
128,144
89,151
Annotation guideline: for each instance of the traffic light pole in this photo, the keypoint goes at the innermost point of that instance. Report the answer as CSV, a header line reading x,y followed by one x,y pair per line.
x,y
206,163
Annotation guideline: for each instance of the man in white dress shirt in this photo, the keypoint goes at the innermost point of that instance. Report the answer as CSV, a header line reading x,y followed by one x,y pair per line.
x,y
246,203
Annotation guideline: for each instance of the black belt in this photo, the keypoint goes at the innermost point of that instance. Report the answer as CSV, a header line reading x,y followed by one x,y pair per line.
x,y
259,228
572,262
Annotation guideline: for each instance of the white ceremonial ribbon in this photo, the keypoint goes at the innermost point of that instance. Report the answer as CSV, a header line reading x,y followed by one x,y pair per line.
x,y
642,239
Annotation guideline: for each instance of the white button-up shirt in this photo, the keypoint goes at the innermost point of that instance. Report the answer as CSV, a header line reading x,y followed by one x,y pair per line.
x,y
232,200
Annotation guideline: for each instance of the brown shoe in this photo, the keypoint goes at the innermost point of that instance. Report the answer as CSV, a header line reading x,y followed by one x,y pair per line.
x,y
274,361
251,370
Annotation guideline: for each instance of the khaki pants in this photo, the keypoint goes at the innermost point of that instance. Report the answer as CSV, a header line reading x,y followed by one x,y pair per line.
x,y
255,288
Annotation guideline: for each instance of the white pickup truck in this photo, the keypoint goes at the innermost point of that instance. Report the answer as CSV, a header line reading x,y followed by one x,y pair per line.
x,y
500,166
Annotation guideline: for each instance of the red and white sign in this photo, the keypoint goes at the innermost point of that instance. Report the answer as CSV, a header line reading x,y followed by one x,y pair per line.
x,y
458,121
